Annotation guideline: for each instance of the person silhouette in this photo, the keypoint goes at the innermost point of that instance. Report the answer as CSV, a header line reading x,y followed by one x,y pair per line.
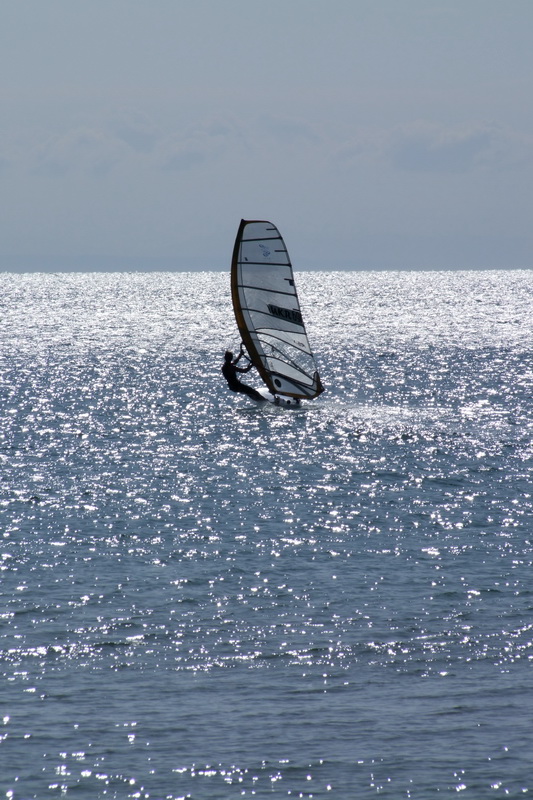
x,y
230,370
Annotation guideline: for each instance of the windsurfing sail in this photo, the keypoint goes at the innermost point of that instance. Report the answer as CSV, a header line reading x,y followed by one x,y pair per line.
x,y
268,312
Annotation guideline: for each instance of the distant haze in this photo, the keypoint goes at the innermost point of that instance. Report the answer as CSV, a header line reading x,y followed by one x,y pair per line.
x,y
374,133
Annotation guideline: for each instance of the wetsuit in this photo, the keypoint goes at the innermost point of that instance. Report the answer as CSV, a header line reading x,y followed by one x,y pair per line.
x,y
229,370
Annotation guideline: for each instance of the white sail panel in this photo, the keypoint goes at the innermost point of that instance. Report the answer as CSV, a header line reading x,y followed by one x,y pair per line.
x,y
268,311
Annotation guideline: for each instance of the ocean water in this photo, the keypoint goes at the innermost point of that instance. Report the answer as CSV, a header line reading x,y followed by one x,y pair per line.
x,y
202,598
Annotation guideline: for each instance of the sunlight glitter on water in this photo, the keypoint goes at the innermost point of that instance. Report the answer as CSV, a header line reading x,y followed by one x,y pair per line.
x,y
289,604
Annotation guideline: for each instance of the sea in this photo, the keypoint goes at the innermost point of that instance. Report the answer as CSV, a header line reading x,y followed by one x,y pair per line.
x,y
205,598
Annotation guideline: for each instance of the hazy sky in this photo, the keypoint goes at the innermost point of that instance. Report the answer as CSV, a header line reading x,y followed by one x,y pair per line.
x,y
374,133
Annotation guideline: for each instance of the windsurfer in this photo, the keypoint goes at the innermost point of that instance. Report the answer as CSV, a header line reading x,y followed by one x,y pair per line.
x,y
230,370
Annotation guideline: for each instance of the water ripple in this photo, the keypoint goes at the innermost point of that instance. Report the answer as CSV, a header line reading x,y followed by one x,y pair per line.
x,y
205,598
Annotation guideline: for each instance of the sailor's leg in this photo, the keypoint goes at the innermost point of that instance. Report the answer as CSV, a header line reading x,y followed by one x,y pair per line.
x,y
251,392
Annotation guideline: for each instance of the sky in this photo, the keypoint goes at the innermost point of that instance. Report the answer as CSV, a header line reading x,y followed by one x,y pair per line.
x,y
376,134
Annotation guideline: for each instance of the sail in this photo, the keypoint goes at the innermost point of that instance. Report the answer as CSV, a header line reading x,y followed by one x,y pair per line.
x,y
268,312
